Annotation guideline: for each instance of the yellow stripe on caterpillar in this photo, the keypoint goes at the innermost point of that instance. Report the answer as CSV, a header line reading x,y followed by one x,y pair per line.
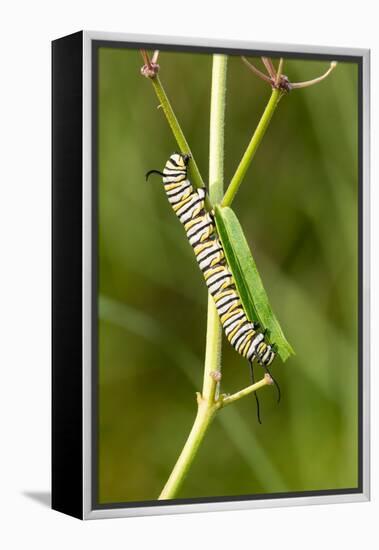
x,y
235,330
213,271
224,294
170,186
178,205
247,345
203,246
193,222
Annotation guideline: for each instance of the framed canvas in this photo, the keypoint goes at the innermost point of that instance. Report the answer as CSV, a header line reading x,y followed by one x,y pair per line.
x,y
244,383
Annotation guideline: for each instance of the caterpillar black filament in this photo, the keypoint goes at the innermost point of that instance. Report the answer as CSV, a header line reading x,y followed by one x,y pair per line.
x,y
189,206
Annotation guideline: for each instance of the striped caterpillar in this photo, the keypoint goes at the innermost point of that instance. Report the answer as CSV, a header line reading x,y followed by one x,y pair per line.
x,y
189,206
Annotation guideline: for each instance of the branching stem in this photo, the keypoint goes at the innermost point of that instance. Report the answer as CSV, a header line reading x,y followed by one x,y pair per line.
x,y
205,413
203,418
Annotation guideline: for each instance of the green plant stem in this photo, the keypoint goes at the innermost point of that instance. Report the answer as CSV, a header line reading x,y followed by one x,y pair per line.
x,y
228,399
216,129
252,147
165,104
204,417
212,364
207,401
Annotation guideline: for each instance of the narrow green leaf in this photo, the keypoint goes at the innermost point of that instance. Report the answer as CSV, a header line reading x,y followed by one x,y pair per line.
x,y
247,279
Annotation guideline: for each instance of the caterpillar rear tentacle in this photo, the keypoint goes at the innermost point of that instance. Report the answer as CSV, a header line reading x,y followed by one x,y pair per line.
x,y
189,206
255,393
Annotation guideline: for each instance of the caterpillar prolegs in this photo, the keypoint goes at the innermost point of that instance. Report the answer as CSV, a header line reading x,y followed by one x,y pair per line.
x,y
189,206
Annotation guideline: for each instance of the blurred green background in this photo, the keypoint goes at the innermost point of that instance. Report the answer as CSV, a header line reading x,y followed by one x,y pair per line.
x,y
298,207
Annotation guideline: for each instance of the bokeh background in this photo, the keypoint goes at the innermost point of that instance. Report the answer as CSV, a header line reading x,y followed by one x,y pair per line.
x,y
298,208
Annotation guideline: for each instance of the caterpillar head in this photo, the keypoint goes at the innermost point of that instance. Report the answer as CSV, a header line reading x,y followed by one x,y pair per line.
x,y
180,160
177,161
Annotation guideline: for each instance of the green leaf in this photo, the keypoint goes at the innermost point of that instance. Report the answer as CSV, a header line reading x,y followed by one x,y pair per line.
x,y
247,279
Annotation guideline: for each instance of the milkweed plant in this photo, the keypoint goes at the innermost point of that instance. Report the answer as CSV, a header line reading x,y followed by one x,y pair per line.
x,y
236,297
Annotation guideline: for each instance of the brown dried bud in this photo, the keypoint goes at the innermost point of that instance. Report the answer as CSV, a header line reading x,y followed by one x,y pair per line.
x,y
284,84
150,70
216,375
268,378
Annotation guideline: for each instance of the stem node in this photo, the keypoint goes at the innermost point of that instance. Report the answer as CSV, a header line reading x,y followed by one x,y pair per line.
x,y
216,375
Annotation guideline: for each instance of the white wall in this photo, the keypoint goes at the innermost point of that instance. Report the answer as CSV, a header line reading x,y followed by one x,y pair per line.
x,y
27,28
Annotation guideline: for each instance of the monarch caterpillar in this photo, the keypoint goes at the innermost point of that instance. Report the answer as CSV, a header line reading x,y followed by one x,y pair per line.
x,y
189,206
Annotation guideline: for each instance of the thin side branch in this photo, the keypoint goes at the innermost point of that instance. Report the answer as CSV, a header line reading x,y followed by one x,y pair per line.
x,y
252,147
278,80
269,66
279,73
150,70
256,71
228,399
307,83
